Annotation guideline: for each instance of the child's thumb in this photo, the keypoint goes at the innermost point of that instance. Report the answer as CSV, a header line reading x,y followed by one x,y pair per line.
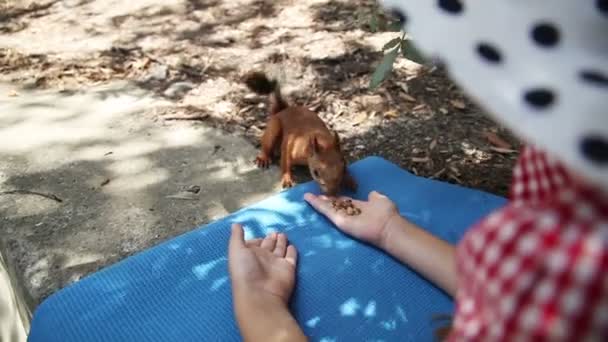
x,y
237,237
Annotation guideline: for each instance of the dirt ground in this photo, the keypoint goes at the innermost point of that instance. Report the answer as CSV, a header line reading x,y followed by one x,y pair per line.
x,y
195,52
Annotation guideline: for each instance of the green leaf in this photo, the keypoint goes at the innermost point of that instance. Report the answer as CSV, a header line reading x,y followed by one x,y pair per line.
x,y
391,44
409,51
373,23
384,68
395,26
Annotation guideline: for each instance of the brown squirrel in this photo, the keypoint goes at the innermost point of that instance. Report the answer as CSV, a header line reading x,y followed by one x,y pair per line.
x,y
304,139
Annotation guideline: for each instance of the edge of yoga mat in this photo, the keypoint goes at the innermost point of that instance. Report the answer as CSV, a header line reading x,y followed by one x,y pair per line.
x,y
178,290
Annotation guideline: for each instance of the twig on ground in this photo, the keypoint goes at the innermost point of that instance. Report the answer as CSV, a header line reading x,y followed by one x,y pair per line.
x,y
186,117
28,192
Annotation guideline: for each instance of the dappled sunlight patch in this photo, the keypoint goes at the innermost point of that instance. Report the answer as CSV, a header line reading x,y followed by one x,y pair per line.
x,y
58,119
389,324
73,259
138,181
401,313
344,244
350,307
159,264
370,309
19,206
201,271
133,166
39,271
377,265
173,246
322,241
347,262
313,322
217,283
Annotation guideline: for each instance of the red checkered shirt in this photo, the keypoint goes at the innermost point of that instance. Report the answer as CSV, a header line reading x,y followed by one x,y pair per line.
x,y
537,269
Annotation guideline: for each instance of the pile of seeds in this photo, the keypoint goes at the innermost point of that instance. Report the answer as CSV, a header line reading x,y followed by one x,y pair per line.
x,y
346,206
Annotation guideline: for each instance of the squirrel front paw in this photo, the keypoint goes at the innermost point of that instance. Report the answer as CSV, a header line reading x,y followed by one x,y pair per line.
x,y
287,181
262,161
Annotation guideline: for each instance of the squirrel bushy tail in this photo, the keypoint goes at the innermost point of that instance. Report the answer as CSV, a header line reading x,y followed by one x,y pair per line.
x,y
260,84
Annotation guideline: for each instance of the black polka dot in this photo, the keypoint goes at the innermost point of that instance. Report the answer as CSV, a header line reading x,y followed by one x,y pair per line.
x,y
489,53
539,98
451,6
595,148
602,5
399,15
545,34
594,77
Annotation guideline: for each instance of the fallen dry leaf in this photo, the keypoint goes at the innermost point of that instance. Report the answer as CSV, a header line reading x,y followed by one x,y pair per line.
x,y
454,177
195,189
13,93
420,160
454,170
419,107
458,104
245,109
360,118
391,114
408,97
502,150
404,87
141,63
433,144
497,141
443,110
256,130
438,173
184,195
195,117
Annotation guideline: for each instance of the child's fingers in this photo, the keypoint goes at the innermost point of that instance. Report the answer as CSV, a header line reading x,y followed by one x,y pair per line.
x,y
281,246
375,195
269,242
291,255
254,242
237,239
237,236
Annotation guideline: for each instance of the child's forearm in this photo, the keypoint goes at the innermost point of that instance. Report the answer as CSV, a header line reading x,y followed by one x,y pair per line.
x,y
265,318
434,258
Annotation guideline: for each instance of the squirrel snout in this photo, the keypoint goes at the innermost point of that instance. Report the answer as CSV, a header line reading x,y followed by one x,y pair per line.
x,y
329,190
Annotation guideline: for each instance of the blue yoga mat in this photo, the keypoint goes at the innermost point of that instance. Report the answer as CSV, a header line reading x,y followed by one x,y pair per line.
x,y
346,290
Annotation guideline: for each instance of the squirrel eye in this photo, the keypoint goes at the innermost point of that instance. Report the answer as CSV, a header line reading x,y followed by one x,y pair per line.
x,y
315,173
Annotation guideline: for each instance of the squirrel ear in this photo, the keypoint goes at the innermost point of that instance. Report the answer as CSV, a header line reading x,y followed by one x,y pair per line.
x,y
313,144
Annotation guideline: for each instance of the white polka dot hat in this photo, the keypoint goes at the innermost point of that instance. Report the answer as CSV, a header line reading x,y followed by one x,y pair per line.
x,y
539,67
